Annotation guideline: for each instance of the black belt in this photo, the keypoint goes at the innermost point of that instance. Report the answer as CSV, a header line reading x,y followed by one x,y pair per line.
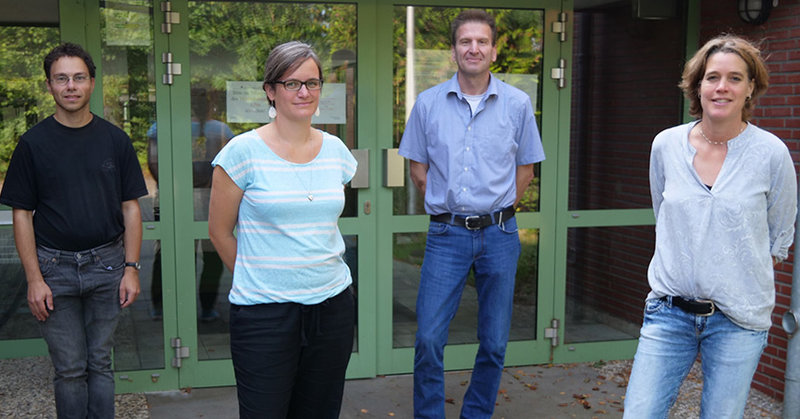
x,y
699,306
475,222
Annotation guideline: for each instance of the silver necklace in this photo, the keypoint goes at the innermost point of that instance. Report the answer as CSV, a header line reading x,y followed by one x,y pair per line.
x,y
309,195
717,142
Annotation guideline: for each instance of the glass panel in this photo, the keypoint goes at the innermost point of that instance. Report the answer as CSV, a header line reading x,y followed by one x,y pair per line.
x,y
227,64
607,282
16,320
129,99
139,339
624,91
408,252
24,101
428,62
213,283
526,288
351,259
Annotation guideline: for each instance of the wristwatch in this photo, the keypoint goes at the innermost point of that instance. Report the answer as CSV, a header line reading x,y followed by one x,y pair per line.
x,y
135,265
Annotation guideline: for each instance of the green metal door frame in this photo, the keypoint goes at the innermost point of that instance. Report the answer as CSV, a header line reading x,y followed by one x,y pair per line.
x,y
80,22
554,131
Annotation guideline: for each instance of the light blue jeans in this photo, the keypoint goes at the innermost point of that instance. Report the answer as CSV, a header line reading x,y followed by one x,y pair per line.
x,y
669,342
79,331
450,253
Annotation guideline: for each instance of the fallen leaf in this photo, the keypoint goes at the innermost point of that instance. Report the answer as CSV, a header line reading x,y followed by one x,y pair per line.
x,y
391,413
450,400
364,411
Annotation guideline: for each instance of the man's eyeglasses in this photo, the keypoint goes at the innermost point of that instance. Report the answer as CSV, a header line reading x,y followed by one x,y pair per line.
x,y
62,80
294,85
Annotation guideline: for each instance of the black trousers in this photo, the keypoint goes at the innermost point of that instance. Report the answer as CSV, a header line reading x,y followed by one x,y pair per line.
x,y
290,359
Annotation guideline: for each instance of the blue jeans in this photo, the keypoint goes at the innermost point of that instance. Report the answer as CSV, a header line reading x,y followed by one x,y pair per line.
x,y
669,342
450,253
79,331
290,359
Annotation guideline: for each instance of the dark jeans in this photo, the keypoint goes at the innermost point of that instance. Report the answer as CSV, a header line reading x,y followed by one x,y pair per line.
x,y
290,359
80,330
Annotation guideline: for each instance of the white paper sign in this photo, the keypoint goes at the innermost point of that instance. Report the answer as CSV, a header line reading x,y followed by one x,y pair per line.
x,y
247,102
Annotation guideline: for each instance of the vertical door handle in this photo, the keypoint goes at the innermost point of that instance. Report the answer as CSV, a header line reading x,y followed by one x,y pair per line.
x,y
394,165
361,178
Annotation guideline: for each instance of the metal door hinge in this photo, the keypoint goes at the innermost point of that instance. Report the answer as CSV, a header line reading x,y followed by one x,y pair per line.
x,y
552,333
181,352
173,69
559,73
560,27
170,17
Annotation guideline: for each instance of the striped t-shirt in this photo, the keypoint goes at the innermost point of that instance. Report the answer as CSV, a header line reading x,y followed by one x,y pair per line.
x,y
289,248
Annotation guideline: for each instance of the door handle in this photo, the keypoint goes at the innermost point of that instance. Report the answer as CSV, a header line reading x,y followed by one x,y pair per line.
x,y
361,179
394,175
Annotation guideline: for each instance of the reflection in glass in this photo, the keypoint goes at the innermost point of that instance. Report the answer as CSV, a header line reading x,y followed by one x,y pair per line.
x,y
139,339
408,252
16,320
351,259
228,63
426,61
213,283
623,100
129,99
24,100
526,288
606,282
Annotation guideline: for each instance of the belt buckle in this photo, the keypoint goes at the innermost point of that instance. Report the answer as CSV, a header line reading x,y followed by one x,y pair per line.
x,y
476,218
713,307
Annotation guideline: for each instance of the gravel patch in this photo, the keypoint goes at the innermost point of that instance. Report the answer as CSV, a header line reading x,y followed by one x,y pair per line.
x,y
759,405
26,391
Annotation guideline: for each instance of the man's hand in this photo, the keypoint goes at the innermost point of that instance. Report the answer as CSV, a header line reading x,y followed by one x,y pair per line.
x,y
129,287
40,299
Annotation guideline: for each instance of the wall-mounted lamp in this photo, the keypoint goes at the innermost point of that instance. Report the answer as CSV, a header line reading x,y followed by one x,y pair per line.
x,y
756,12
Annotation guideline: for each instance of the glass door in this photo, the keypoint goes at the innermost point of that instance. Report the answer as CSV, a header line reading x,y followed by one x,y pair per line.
x,y
421,59
24,102
135,99
224,46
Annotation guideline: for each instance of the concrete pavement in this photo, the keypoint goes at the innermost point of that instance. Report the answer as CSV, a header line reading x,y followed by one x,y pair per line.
x,y
543,391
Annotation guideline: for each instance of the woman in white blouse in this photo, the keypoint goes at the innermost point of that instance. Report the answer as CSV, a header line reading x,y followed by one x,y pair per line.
x,y
725,197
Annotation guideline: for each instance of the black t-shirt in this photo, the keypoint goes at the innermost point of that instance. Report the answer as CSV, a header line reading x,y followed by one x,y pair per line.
x,y
75,180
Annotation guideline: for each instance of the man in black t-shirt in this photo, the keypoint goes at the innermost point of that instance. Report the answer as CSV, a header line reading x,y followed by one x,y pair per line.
x,y
73,182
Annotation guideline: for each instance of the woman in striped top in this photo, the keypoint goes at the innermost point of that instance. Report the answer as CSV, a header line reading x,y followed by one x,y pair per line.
x,y
282,187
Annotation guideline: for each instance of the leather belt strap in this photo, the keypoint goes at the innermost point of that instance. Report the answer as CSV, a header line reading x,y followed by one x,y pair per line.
x,y
699,307
475,222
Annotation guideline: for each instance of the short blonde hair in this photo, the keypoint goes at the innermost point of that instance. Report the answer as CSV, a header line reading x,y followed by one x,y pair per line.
x,y
695,69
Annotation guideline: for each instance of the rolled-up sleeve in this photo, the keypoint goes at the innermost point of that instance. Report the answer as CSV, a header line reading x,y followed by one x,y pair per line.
x,y
782,205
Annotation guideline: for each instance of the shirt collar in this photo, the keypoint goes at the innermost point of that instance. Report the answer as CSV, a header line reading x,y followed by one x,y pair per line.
x,y
453,86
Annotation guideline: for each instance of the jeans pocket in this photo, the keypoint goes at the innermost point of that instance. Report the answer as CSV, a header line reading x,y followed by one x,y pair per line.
x,y
437,229
653,305
48,260
110,261
46,264
508,226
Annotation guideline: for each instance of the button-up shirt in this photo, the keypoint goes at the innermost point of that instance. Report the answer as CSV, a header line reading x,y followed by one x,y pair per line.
x,y
472,158
717,243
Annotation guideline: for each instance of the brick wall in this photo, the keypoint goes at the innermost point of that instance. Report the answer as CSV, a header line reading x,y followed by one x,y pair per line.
x,y
778,112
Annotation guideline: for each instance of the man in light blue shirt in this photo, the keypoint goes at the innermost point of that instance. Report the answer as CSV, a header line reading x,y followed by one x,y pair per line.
x,y
472,142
